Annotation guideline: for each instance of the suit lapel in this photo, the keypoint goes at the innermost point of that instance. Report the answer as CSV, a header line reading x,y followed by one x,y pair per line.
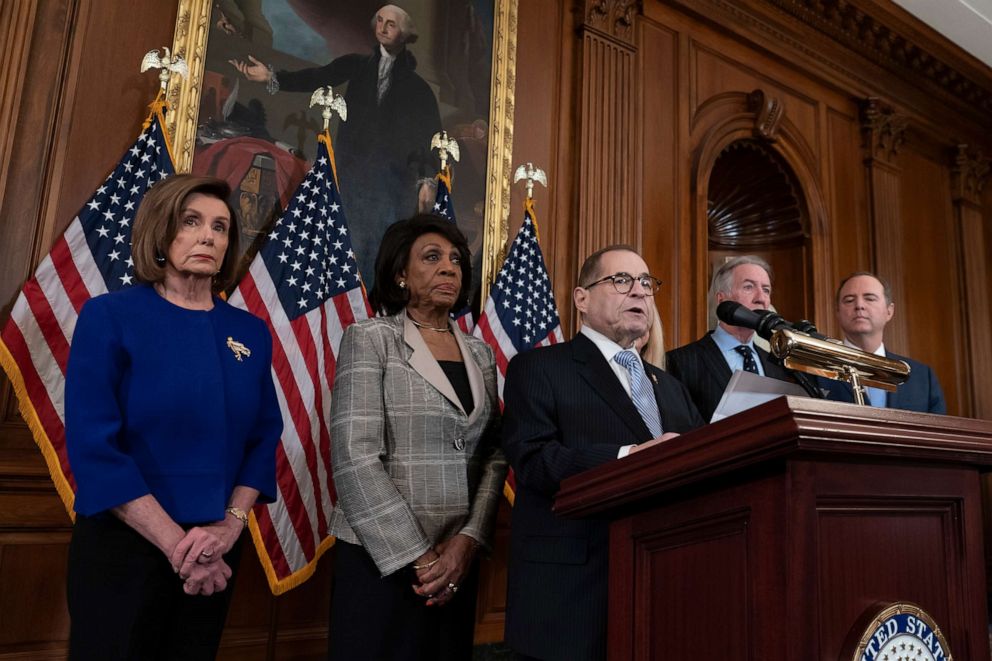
x,y
475,379
424,363
594,369
714,360
892,398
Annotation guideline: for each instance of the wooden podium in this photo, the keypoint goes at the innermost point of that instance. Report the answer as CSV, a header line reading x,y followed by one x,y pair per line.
x,y
767,536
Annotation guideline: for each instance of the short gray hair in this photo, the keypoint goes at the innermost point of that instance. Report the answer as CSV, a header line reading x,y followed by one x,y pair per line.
x,y
723,279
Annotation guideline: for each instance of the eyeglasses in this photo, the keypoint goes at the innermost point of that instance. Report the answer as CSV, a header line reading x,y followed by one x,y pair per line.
x,y
624,282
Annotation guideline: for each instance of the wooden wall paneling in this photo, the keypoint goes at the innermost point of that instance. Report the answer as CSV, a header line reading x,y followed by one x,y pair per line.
x,y
542,134
931,298
851,234
16,31
884,131
730,116
662,238
607,131
970,172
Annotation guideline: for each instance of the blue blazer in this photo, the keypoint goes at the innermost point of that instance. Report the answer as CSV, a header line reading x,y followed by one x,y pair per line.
x,y
921,392
157,403
565,412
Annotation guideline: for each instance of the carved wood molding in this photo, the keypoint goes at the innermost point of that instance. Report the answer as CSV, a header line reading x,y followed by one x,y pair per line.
x,y
612,17
969,173
854,24
883,129
787,33
769,112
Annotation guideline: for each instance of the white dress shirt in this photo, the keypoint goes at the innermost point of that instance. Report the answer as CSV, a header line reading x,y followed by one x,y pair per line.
x,y
609,348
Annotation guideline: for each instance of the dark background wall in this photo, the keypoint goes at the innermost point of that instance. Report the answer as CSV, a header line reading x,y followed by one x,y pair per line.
x,y
883,124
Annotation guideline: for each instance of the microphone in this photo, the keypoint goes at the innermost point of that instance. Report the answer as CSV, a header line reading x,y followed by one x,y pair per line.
x,y
763,322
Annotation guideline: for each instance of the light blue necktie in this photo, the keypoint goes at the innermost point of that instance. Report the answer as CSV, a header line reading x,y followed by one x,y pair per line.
x,y
876,397
641,391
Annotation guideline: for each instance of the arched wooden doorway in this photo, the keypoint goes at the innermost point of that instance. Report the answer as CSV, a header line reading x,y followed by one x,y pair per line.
x,y
755,206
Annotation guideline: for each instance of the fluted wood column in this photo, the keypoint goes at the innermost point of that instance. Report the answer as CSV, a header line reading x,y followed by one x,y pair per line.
x,y
970,171
606,127
883,131
16,29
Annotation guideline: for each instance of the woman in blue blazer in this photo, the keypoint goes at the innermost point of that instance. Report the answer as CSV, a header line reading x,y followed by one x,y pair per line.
x,y
171,426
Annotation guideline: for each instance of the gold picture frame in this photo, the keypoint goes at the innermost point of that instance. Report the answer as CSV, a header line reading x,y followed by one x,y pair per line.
x,y
193,26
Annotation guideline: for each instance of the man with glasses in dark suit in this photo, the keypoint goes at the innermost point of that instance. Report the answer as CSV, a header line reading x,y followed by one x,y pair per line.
x,y
706,365
568,408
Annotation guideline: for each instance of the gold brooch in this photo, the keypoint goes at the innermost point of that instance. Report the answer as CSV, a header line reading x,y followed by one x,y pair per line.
x,y
238,348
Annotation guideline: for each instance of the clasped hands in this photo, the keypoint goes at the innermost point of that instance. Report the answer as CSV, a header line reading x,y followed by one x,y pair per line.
x,y
198,556
443,568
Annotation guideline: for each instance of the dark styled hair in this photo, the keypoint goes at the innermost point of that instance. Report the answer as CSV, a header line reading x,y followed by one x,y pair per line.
x,y
386,296
157,223
590,268
886,287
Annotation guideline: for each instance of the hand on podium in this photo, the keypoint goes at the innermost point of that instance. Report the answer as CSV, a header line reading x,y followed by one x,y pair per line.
x,y
654,441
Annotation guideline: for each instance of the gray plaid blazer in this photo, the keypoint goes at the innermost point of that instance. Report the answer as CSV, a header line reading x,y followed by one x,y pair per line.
x,y
410,467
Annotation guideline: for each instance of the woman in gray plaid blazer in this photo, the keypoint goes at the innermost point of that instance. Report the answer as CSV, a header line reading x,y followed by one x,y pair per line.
x,y
417,463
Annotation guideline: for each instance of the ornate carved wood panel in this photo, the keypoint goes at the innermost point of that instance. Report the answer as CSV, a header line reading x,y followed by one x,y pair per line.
x,y
607,132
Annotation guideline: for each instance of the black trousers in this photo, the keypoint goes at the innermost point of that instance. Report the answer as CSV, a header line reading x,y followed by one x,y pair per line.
x,y
125,602
383,619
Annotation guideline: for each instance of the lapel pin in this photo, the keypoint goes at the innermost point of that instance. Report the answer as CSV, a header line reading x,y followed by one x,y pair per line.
x,y
238,349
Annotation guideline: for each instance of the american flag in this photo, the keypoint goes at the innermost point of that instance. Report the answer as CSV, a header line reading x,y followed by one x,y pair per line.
x,y
520,312
92,257
304,283
444,207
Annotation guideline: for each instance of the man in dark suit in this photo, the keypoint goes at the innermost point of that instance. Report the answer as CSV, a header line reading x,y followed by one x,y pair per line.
x,y
706,365
864,306
570,407
384,147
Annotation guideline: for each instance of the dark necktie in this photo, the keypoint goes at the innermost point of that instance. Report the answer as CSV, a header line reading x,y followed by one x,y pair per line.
x,y
749,364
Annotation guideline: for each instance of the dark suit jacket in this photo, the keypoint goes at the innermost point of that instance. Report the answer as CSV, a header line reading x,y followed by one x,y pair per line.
x,y
921,392
701,368
565,412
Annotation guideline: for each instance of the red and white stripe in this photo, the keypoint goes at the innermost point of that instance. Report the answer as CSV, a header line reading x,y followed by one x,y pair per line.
x,y
294,529
34,344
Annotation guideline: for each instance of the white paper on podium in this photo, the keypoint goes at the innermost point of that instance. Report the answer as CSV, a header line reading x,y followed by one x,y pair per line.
x,y
747,390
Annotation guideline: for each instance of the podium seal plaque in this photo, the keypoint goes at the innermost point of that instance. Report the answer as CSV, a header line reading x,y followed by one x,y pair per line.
x,y
902,632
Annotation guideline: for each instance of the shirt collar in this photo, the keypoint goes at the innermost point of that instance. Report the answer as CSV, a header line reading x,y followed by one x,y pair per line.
x,y
385,55
606,346
727,342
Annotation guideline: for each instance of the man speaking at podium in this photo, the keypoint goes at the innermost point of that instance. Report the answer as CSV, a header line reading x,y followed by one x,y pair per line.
x,y
706,365
864,306
570,407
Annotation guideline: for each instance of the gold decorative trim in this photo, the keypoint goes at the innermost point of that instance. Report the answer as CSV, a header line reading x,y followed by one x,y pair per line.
x,y
924,624
189,42
500,160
